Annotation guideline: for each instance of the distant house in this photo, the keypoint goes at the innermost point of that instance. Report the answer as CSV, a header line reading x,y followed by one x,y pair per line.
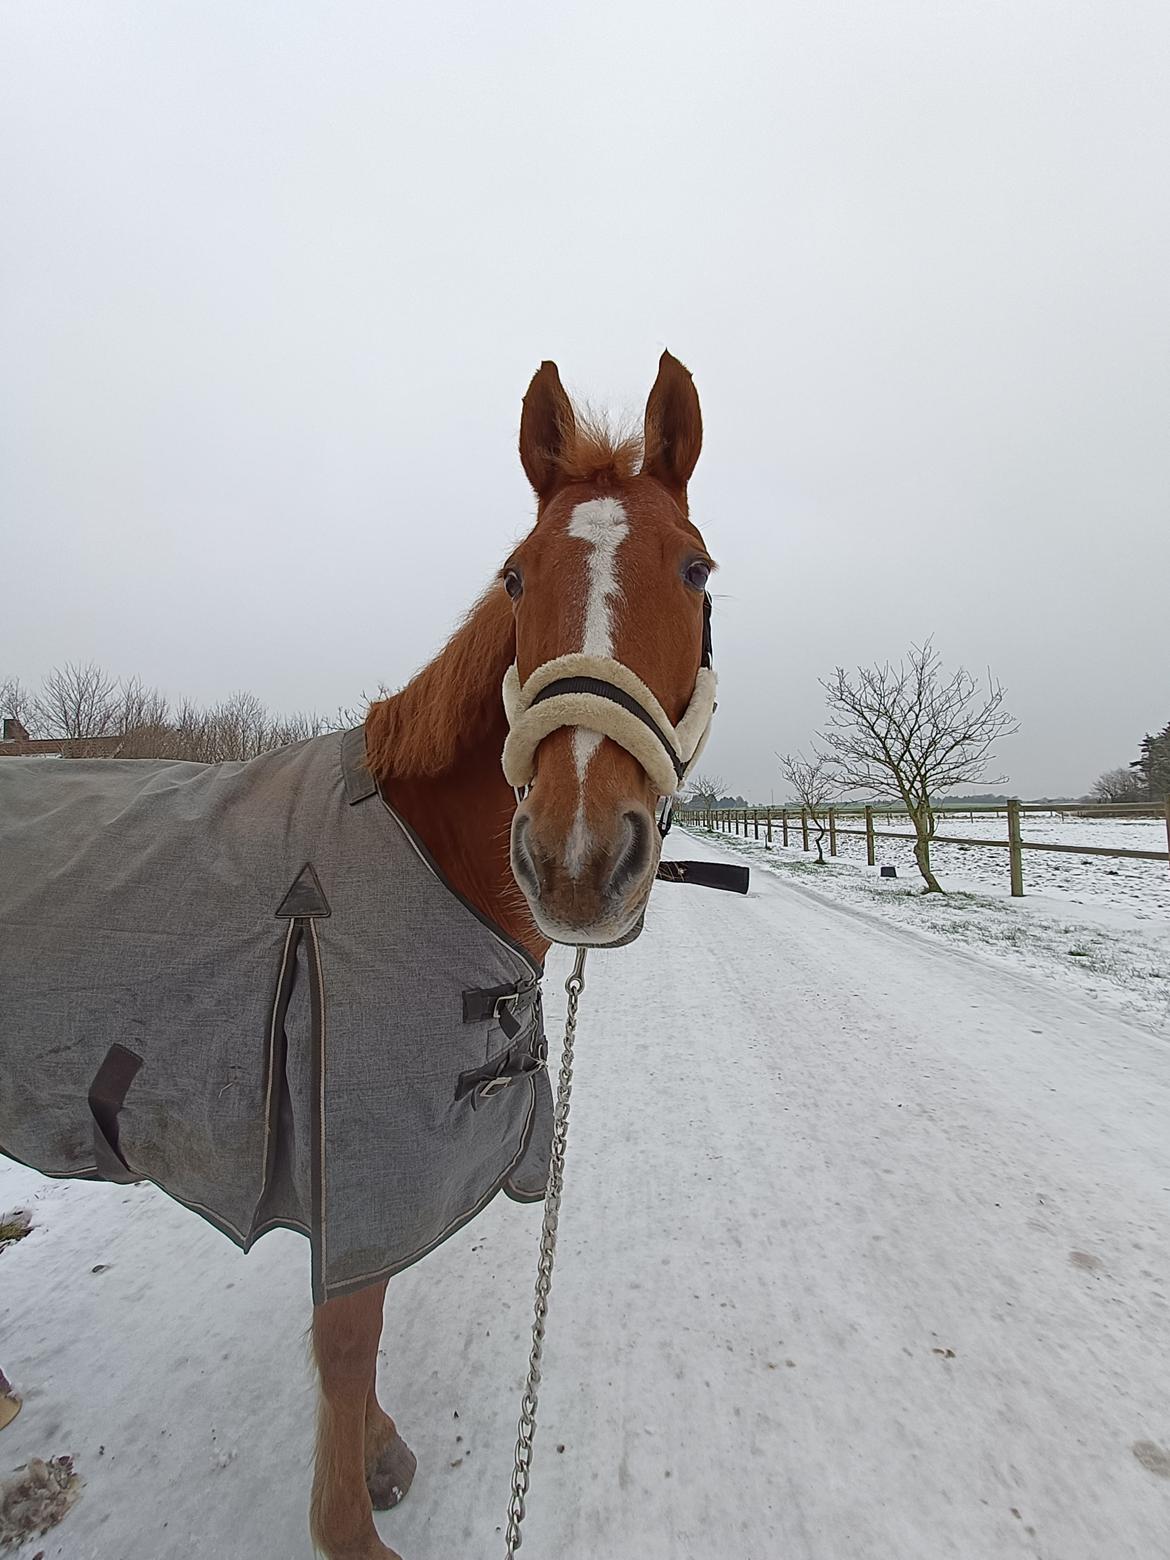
x,y
17,743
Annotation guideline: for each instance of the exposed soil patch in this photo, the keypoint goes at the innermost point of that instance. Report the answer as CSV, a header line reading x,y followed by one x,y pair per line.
x,y
1154,1457
1086,1261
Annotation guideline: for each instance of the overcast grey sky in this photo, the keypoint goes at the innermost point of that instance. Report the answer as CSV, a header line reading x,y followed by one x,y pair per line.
x,y
275,276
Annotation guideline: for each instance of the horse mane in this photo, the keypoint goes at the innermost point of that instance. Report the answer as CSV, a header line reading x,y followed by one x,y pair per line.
x,y
454,703
592,450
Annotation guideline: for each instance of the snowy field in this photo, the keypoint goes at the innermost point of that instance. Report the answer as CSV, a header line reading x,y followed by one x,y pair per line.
x,y
1141,886
865,1255
1086,923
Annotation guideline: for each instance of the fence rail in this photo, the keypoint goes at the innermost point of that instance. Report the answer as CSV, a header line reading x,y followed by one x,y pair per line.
x,y
789,819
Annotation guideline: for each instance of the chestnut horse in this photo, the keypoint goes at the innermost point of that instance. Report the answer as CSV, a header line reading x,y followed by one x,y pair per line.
x,y
613,568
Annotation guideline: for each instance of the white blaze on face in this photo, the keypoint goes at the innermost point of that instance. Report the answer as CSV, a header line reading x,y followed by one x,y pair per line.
x,y
603,523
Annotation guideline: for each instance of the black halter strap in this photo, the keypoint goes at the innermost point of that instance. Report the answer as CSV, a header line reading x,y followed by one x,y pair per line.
x,y
599,688
666,816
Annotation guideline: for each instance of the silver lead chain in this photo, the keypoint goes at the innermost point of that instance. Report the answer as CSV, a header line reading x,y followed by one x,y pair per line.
x,y
526,1431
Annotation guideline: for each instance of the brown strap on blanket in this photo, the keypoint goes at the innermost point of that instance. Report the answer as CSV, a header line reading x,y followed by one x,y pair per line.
x,y
107,1095
359,782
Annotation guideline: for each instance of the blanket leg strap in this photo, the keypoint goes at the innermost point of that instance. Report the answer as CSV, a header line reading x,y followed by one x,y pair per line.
x,y
107,1095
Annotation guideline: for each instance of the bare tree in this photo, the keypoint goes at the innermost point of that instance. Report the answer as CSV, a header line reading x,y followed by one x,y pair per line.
x,y
702,792
300,726
246,722
17,703
1119,785
905,732
816,786
77,702
705,790
141,720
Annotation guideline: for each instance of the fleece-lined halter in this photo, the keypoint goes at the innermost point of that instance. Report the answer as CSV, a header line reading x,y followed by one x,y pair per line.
x,y
604,695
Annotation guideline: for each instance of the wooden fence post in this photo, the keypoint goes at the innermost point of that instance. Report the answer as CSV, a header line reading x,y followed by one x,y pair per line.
x,y
756,820
768,826
804,825
870,853
1015,850
832,831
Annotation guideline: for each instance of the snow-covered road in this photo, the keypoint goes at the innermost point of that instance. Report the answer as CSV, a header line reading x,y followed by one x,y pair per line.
x,y
865,1255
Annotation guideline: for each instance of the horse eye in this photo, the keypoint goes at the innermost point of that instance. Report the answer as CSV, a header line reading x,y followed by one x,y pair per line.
x,y
513,584
697,574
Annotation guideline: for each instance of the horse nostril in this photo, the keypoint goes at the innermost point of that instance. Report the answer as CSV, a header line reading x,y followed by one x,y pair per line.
x,y
634,857
523,862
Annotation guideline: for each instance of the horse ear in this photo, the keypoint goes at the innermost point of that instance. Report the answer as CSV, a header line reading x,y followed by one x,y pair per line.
x,y
547,425
674,428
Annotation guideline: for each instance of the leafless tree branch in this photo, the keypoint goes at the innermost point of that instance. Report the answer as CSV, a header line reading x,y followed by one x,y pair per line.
x,y
77,702
909,733
17,703
81,703
1119,785
705,790
816,786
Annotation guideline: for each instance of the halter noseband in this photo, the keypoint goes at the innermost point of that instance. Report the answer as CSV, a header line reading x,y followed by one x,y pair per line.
x,y
603,695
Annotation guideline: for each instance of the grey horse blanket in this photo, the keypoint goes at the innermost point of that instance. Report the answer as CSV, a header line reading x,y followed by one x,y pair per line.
x,y
249,984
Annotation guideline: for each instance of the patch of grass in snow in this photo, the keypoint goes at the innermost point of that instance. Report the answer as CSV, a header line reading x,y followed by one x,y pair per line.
x,y
14,1227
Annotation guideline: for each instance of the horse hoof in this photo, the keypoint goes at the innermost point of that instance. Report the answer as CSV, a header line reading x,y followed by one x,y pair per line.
x,y
392,1474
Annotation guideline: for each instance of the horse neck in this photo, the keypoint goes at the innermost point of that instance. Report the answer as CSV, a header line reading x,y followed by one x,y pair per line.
x,y
435,751
464,819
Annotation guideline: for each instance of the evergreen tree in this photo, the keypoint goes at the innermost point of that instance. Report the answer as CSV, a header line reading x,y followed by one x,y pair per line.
x,y
1154,764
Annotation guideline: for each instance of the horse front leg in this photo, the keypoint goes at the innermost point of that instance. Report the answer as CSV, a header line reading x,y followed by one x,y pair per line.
x,y
390,1463
345,1343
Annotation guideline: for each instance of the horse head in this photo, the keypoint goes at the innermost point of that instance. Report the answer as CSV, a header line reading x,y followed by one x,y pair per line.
x,y
611,693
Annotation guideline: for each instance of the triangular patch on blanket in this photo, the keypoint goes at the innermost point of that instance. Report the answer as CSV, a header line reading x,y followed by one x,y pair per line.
x,y
306,896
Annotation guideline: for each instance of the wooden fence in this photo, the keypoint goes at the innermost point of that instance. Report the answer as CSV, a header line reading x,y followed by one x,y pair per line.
x,y
788,820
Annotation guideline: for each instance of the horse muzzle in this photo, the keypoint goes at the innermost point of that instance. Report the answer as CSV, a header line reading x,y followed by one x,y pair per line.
x,y
587,890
